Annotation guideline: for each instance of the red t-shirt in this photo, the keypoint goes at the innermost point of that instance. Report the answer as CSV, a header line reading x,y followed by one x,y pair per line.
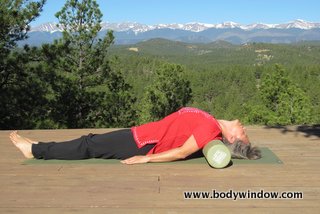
x,y
173,130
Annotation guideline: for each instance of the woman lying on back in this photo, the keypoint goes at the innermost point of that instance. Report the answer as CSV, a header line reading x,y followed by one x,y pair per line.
x,y
175,137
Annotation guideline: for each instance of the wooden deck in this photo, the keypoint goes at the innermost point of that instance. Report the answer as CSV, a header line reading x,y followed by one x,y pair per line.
x,y
158,188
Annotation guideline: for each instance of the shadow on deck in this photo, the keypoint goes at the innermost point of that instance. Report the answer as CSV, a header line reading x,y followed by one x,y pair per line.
x,y
308,131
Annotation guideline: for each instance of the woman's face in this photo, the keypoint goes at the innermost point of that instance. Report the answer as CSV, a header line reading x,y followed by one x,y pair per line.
x,y
239,131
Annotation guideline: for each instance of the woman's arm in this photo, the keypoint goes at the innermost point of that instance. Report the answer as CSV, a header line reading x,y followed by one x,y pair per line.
x,y
189,147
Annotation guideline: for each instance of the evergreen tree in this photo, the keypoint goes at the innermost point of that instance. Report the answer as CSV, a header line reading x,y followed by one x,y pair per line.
x,y
285,102
15,17
21,91
117,108
169,92
83,70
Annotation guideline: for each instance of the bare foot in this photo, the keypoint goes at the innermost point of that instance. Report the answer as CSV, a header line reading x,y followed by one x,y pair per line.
x,y
22,144
26,139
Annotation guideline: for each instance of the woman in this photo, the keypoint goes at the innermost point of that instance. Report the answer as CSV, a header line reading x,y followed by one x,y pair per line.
x,y
175,137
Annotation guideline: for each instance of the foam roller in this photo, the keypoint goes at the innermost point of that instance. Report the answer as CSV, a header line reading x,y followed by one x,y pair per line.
x,y
217,154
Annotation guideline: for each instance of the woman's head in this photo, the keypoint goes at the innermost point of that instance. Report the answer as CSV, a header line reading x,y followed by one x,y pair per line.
x,y
237,140
242,150
236,131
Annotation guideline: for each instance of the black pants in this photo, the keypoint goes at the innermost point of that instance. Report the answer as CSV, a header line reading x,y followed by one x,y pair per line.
x,y
113,145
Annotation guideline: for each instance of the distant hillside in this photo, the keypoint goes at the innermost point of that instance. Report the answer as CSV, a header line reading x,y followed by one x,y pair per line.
x,y
225,77
221,52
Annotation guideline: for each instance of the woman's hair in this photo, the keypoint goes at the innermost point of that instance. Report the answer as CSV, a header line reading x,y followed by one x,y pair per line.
x,y
242,150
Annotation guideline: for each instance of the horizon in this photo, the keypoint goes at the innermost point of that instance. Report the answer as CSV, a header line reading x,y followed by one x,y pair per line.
x,y
230,21
148,12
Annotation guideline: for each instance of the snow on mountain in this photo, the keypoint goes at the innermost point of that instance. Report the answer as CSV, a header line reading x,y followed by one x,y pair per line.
x,y
296,24
192,26
300,24
257,26
125,26
139,28
228,25
46,27
170,26
197,27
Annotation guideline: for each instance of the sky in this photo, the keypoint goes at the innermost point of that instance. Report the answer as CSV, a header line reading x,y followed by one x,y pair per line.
x,y
205,11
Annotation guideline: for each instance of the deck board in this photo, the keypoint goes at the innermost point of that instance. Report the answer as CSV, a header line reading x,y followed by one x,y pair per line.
x,y
147,188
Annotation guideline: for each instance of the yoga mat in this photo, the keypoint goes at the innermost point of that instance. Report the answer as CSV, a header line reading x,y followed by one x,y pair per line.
x,y
268,157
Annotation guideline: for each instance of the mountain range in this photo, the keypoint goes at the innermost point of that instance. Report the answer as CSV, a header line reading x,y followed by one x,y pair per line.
x,y
132,32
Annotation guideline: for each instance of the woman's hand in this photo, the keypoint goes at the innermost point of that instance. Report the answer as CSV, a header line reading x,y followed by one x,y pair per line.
x,y
136,159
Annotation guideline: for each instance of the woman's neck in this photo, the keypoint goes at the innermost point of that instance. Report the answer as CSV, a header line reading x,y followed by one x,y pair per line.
x,y
223,125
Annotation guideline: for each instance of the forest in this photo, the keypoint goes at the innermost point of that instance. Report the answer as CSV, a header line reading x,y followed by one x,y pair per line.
x,y
84,81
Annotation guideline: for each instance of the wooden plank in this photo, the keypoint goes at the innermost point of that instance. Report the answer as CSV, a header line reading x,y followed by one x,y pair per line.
x,y
159,188
142,210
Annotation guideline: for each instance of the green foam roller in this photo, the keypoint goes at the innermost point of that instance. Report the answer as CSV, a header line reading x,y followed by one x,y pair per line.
x,y
217,154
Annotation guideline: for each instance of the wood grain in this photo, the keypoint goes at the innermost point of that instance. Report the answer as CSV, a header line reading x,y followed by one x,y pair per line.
x,y
148,188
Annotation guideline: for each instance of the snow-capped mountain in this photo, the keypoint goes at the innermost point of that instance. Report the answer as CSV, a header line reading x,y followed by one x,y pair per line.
x,y
193,32
46,27
258,26
192,26
300,24
125,26
195,26
228,25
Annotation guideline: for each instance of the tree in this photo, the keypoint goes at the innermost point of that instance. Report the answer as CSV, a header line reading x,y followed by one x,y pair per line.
x,y
20,89
16,15
284,102
80,20
169,92
117,108
83,85
79,65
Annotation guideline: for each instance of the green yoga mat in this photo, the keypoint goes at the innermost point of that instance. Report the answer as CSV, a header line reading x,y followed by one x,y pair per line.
x,y
268,157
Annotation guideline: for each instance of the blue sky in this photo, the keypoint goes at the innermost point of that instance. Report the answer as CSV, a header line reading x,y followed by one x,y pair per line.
x,y
206,11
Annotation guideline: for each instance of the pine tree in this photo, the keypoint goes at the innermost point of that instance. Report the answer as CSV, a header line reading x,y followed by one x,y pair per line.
x,y
15,17
169,92
82,67
20,89
286,102
117,108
